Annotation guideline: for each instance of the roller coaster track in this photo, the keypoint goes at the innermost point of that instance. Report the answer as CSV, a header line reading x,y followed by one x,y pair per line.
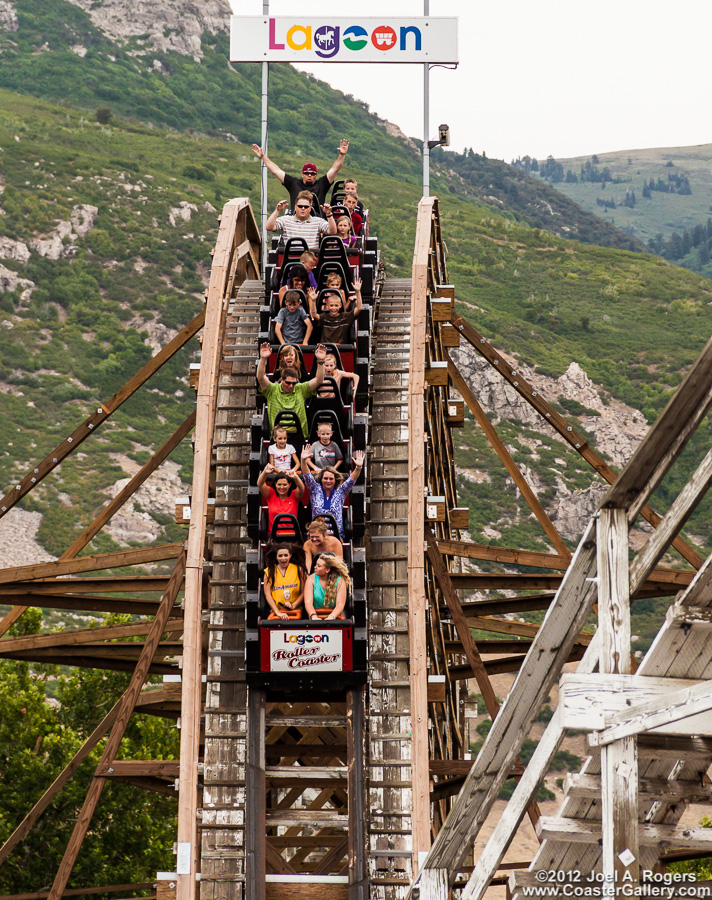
x,y
372,793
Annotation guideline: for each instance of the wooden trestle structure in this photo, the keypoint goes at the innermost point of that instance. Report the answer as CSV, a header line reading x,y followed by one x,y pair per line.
x,y
373,794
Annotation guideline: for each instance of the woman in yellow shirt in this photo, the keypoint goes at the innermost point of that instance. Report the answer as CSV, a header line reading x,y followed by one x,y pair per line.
x,y
283,583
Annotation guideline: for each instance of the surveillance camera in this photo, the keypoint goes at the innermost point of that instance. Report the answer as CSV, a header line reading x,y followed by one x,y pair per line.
x,y
444,135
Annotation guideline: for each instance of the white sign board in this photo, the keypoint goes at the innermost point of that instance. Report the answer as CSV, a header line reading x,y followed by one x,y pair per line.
x,y
348,40
292,651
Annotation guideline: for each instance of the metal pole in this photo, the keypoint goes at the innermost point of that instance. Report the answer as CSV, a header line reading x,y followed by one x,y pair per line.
x,y
426,117
265,141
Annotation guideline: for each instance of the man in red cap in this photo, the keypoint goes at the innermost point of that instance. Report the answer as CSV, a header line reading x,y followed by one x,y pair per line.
x,y
309,180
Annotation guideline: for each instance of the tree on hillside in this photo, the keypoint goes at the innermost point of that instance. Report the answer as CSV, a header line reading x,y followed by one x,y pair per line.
x,y
132,831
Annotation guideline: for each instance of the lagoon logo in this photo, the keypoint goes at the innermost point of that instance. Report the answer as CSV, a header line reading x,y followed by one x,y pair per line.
x,y
306,638
327,40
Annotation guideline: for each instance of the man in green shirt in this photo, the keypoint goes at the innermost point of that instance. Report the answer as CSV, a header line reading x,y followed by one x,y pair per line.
x,y
289,393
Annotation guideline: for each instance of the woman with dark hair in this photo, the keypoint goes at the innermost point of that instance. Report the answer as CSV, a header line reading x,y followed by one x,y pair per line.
x,y
327,491
326,590
284,580
297,281
279,496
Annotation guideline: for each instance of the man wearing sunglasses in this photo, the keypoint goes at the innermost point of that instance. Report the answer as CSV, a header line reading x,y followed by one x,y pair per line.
x,y
289,393
302,224
309,180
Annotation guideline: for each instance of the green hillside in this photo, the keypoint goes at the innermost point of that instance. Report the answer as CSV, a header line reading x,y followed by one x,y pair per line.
x,y
86,325
42,58
655,195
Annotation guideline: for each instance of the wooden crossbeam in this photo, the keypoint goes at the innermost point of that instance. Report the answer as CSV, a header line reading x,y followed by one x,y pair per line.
x,y
126,706
585,831
677,706
83,602
78,636
588,787
92,423
506,458
90,563
118,585
549,651
568,432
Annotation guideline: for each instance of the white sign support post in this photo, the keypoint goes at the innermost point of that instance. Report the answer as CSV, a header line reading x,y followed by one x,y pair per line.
x,y
264,145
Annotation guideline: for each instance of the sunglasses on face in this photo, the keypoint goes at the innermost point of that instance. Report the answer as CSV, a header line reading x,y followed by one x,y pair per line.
x,y
288,383
303,206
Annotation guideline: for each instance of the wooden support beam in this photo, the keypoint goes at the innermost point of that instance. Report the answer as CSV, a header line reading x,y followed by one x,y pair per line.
x,y
450,337
443,578
80,892
585,831
506,458
356,845
590,701
155,768
90,563
673,521
79,636
505,555
588,787
567,431
550,649
427,209
436,374
619,761
117,585
255,847
676,706
126,706
144,473
90,425
229,251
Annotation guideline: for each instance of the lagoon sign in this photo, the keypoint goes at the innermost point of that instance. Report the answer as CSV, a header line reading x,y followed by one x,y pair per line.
x,y
347,40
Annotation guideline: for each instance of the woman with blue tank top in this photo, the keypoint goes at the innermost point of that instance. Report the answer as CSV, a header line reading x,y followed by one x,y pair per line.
x,y
326,590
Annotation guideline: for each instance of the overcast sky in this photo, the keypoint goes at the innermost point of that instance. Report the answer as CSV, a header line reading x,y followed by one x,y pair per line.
x,y
552,77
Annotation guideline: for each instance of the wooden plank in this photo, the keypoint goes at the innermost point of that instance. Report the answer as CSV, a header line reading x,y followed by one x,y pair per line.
x,y
676,706
220,286
159,768
674,519
588,787
74,637
427,208
586,831
586,700
472,550
134,484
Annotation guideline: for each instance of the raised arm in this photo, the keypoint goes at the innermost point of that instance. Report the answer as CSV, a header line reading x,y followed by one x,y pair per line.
x,y
320,354
358,465
312,295
265,353
271,223
262,480
338,162
330,220
273,167
299,487
357,290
